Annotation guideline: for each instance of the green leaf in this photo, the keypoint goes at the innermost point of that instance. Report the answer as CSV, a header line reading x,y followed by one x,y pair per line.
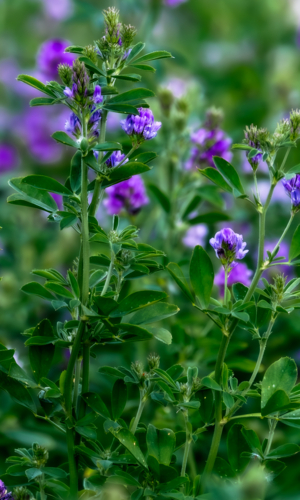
x,y
223,469
201,275
130,442
295,245
134,52
118,398
145,157
55,472
74,284
112,372
137,300
236,445
46,184
281,375
87,431
42,101
230,175
228,400
127,109
6,354
122,477
160,444
75,49
132,95
131,77
144,67
213,175
206,399
95,402
161,334
32,473
34,196
59,290
91,66
124,172
161,197
166,377
75,174
108,146
41,356
273,468
252,440
17,391
34,288
286,450
67,221
33,82
178,276
65,139
209,218
277,401
153,313
158,54
211,383
243,147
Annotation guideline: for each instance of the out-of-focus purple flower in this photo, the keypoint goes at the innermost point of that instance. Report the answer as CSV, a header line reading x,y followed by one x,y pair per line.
x,y
173,3
97,97
283,252
51,54
239,274
279,194
58,199
4,495
115,159
246,167
292,188
208,143
228,246
113,121
129,195
9,158
195,235
74,126
58,9
142,126
178,86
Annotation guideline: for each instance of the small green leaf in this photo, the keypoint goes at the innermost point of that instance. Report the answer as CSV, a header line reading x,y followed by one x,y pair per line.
x,y
178,276
108,146
158,54
34,196
153,313
201,275
42,101
229,174
59,290
209,218
223,469
91,66
118,398
33,82
125,172
130,442
74,284
144,67
127,109
161,334
206,399
211,383
281,375
134,52
137,300
274,404
295,245
213,175
228,400
132,95
34,288
95,402
160,444
46,184
286,450
131,77
236,445
63,138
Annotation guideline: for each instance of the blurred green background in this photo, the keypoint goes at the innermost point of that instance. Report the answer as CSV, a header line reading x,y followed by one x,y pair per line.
x,y
241,56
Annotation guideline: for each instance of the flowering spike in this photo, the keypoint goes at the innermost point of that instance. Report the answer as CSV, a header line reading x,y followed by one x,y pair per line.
x,y
292,188
142,127
228,246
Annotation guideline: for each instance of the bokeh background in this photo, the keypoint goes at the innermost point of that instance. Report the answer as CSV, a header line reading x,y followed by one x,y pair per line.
x,y
243,57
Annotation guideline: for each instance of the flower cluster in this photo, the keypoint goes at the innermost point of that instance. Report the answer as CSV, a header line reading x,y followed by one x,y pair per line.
x,y
255,137
115,159
4,495
117,37
292,188
141,127
209,141
80,83
229,246
129,195
8,158
195,235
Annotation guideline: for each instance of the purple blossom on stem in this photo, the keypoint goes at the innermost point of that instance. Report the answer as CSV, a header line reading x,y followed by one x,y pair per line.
x,y
292,189
239,274
8,158
208,143
4,495
228,246
142,126
195,235
97,97
51,54
73,125
115,159
129,195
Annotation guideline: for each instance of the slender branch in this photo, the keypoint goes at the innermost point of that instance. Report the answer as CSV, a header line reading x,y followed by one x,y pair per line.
x,y
133,149
109,274
85,378
272,427
187,444
285,158
283,234
51,422
97,189
76,383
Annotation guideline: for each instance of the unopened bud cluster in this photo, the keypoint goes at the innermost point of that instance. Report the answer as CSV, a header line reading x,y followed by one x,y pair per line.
x,y
278,288
40,456
117,37
153,361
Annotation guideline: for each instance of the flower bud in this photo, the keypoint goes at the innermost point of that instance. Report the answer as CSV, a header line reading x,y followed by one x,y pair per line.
x,y
84,145
91,53
65,74
166,100
22,493
128,33
153,361
214,118
40,455
278,287
295,124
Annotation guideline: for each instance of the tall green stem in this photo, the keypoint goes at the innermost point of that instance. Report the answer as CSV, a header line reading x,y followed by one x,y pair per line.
x,y
109,273
187,443
85,377
96,194
272,427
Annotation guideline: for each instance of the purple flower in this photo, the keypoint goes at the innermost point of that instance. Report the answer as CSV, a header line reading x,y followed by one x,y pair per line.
x,y
129,195
115,159
8,158
51,54
195,235
73,125
246,167
292,188
58,9
208,143
97,97
279,194
228,246
239,274
143,126
58,199
4,495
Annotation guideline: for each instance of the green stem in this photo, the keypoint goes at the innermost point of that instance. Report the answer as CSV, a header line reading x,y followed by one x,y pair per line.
x,y
76,383
42,491
272,427
109,274
134,147
96,194
283,234
187,444
143,399
253,415
225,286
85,377
285,158
51,422
72,466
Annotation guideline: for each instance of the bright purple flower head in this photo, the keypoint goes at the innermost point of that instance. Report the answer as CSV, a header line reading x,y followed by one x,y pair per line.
x,y
97,97
8,158
115,159
195,235
292,188
4,495
239,274
208,143
142,126
228,246
129,195
73,125
51,54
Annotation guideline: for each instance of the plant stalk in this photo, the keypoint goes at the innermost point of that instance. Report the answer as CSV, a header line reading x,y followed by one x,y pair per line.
x,y
187,444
